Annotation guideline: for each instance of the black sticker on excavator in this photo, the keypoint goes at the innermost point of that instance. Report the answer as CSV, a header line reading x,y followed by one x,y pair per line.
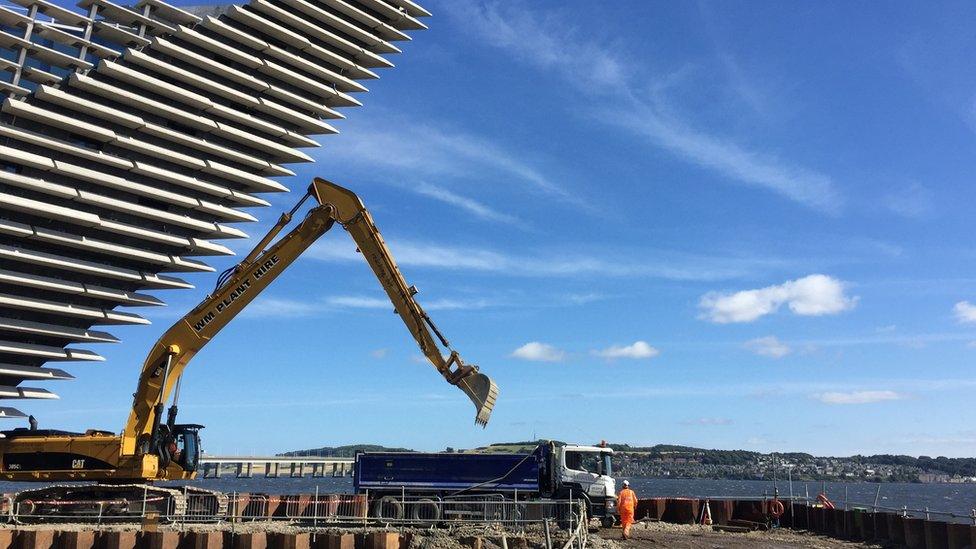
x,y
52,461
241,289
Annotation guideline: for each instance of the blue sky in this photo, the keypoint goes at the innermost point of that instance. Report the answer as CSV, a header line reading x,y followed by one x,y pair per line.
x,y
654,222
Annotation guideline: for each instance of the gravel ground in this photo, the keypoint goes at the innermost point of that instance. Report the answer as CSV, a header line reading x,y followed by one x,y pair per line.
x,y
645,535
679,536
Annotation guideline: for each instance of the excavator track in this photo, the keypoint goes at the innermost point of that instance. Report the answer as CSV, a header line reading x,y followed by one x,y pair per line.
x,y
117,503
203,504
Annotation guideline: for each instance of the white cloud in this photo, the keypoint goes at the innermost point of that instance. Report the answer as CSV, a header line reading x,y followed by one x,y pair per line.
x,y
638,349
539,39
463,202
768,346
812,295
539,352
857,397
379,353
965,311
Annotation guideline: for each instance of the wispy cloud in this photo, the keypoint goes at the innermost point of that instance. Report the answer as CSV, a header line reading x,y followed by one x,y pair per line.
x,y
706,421
812,389
743,86
379,353
272,307
357,302
962,438
740,80
857,397
905,340
768,346
912,201
652,120
812,295
636,350
423,149
597,69
583,299
468,204
537,351
364,302
660,264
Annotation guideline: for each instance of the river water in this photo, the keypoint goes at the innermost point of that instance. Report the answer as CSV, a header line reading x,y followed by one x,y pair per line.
x,y
959,499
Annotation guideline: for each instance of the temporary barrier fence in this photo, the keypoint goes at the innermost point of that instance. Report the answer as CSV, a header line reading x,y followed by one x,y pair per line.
x,y
315,510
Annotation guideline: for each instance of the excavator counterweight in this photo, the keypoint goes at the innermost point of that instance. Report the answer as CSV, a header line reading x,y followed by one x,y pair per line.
x,y
152,447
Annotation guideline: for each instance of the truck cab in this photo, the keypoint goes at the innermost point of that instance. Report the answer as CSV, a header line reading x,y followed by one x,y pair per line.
x,y
587,472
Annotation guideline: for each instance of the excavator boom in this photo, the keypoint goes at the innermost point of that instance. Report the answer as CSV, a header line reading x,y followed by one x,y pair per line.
x,y
153,448
237,288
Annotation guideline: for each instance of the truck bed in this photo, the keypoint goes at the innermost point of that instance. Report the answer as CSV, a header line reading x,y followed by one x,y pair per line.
x,y
444,472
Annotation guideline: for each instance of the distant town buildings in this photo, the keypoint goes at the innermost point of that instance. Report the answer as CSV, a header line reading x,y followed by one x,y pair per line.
x,y
722,464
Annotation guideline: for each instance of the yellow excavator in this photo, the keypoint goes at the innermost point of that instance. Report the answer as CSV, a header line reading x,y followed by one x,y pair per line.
x,y
153,449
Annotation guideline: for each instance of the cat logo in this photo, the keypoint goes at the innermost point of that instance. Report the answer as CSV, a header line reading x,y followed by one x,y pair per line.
x,y
77,464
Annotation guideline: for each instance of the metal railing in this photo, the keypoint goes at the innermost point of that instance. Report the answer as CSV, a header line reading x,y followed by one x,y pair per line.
x,y
874,507
315,511
812,502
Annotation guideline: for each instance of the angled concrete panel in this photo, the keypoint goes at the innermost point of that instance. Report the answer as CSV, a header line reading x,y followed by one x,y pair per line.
x,y
134,134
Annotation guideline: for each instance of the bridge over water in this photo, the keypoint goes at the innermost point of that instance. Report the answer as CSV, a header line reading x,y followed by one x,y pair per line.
x,y
275,466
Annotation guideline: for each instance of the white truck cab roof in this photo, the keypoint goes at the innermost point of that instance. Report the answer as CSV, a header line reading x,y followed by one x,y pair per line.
x,y
579,448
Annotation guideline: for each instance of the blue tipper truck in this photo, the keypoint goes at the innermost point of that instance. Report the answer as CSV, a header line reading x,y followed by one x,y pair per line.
x,y
430,485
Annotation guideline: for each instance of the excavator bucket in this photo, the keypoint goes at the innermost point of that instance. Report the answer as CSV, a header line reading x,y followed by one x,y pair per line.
x,y
482,391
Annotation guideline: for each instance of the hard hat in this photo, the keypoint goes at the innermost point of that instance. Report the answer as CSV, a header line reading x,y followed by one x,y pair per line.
x,y
626,483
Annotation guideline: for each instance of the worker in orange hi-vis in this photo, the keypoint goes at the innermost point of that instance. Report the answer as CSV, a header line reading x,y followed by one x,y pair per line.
x,y
626,505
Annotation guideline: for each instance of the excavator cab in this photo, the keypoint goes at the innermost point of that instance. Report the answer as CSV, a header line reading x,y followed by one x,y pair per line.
x,y
186,438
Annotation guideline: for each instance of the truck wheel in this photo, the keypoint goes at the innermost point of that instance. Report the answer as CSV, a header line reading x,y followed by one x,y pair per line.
x,y
425,509
608,522
388,507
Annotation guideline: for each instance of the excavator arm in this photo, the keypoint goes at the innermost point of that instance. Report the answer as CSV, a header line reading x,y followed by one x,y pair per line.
x,y
145,431
356,219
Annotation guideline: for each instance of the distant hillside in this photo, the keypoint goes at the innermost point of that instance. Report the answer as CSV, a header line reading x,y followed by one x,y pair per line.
x,y
666,460
349,450
521,447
